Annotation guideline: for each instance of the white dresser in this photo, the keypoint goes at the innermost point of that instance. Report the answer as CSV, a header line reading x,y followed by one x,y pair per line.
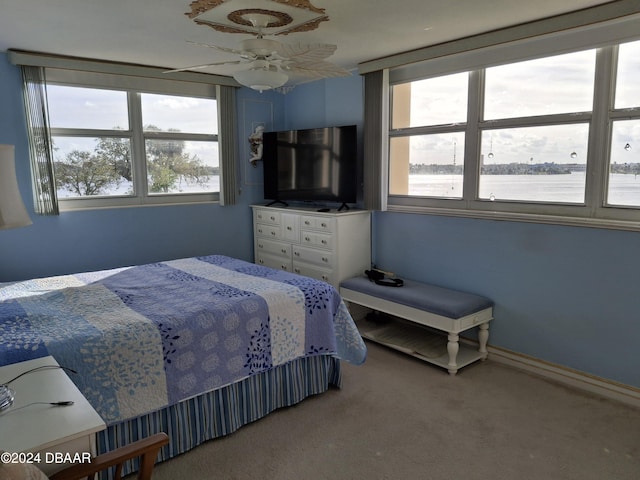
x,y
329,246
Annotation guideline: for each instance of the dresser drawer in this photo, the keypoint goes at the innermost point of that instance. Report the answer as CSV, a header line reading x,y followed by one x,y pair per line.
x,y
268,231
323,224
273,261
268,216
314,239
290,227
273,248
309,255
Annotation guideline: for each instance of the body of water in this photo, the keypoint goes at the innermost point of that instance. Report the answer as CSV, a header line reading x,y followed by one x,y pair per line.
x,y
125,188
624,189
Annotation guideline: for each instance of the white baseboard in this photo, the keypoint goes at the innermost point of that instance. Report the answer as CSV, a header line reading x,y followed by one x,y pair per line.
x,y
567,376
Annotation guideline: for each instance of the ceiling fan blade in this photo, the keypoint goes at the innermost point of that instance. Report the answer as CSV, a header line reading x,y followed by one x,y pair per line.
x,y
218,47
306,53
317,70
198,67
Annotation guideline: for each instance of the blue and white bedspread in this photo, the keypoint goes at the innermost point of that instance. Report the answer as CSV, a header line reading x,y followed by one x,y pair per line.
x,y
145,337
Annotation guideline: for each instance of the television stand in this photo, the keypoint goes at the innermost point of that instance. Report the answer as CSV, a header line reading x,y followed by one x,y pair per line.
x,y
344,206
275,202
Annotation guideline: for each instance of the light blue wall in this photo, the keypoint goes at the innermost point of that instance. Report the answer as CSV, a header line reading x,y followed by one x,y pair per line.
x,y
326,103
96,239
567,295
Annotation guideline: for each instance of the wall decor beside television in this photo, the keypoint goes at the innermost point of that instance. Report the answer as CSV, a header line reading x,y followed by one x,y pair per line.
x,y
311,165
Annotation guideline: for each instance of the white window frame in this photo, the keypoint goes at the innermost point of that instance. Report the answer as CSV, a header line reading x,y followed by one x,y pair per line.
x,y
604,37
133,86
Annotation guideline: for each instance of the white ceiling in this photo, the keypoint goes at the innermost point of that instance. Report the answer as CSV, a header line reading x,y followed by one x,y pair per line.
x,y
157,32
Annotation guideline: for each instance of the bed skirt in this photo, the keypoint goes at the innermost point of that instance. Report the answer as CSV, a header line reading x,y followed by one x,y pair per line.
x,y
223,411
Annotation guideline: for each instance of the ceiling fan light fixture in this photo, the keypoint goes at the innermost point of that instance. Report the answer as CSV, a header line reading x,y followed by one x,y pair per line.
x,y
260,78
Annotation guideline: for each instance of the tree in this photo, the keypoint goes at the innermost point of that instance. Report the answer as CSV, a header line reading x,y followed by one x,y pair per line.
x,y
167,164
86,174
94,173
117,152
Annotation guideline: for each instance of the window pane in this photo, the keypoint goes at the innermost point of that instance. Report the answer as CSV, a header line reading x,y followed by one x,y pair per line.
x,y
427,165
624,170
176,166
89,108
537,164
434,101
87,167
627,92
560,84
171,113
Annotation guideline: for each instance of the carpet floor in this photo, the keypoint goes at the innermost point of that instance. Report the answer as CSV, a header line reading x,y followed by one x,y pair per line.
x,y
399,418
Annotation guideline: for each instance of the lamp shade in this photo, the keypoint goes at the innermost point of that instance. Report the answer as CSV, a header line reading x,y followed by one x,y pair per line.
x,y
12,210
261,78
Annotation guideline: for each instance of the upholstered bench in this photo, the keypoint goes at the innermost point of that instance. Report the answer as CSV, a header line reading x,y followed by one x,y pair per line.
x,y
436,307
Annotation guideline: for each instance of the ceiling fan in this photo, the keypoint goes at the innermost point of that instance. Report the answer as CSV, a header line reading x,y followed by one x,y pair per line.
x,y
271,63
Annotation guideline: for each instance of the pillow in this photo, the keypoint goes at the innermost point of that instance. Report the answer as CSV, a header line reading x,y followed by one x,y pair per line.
x,y
20,471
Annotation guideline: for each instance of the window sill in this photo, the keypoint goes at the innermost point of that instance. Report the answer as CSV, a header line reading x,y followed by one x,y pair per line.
x,y
72,205
610,224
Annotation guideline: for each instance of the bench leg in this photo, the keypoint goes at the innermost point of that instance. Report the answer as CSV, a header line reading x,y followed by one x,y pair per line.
x,y
483,338
452,347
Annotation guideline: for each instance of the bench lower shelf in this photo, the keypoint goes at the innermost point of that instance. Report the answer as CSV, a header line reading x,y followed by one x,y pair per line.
x,y
420,342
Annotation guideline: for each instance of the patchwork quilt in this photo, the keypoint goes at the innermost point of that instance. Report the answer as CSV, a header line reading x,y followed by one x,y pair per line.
x,y
144,337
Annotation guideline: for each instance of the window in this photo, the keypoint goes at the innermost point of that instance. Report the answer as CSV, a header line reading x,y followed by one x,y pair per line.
x,y
544,162
120,146
180,144
555,137
623,186
427,138
91,139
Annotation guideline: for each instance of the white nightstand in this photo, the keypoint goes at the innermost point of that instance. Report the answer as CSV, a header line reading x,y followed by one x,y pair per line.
x,y
46,428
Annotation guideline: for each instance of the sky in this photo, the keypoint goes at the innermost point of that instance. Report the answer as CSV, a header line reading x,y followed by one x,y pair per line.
x,y
553,85
73,107
559,84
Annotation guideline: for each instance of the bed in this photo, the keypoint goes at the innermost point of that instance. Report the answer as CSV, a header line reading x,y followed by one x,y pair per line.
x,y
195,347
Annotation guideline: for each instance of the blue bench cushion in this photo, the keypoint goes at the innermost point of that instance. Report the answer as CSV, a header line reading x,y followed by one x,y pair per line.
x,y
441,301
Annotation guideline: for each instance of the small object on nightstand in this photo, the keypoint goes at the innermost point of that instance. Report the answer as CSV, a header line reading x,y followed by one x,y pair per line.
x,y
48,414
7,396
324,210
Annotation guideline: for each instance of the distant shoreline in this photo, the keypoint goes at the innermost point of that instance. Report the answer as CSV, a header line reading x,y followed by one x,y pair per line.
x,y
519,169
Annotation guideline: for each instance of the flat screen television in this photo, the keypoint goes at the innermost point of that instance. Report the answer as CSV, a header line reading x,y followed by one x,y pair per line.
x,y
311,165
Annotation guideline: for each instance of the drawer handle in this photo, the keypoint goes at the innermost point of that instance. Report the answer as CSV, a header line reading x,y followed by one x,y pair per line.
x,y
325,278
297,254
261,261
260,245
308,239
273,233
272,218
324,225
324,242
325,259
289,228
297,270
307,222
284,250
259,230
